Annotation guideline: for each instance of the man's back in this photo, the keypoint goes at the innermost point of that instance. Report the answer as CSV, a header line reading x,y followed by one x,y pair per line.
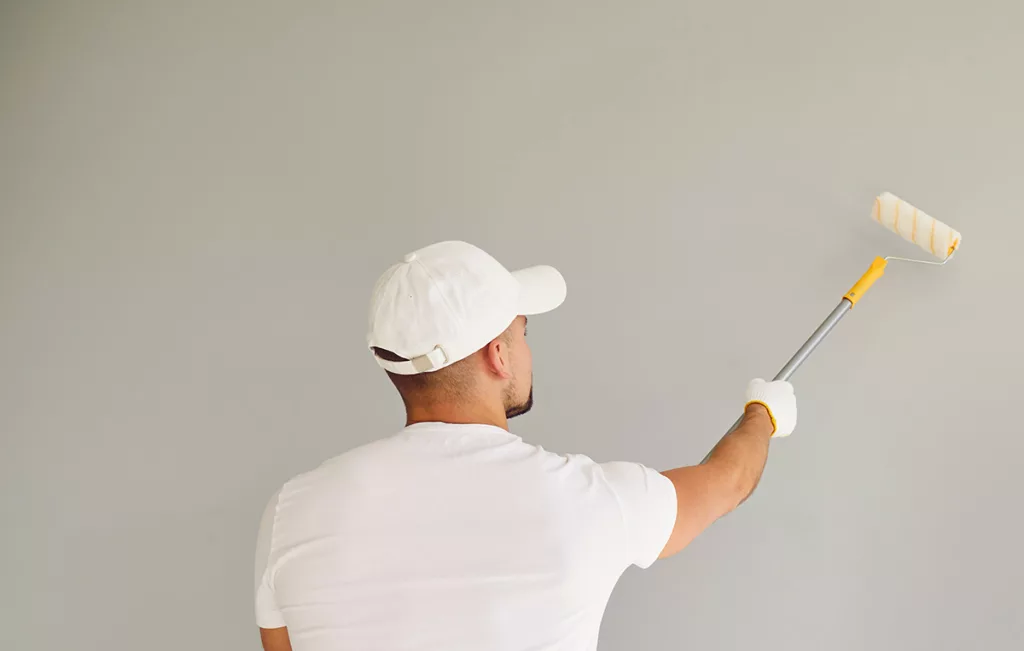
x,y
455,537
463,536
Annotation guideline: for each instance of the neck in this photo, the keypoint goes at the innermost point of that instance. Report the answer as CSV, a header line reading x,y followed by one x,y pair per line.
x,y
474,414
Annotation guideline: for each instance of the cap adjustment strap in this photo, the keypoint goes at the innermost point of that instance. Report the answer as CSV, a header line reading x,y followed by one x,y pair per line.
x,y
433,360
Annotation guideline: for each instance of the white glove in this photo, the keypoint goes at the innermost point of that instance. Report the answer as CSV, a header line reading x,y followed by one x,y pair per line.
x,y
780,401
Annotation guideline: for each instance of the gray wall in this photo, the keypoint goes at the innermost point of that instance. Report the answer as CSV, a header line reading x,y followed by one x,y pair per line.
x,y
197,196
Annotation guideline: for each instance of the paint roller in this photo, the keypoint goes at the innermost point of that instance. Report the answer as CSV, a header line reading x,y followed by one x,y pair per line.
x,y
911,224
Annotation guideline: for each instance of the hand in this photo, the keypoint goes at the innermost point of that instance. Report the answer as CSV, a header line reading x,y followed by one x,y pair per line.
x,y
780,401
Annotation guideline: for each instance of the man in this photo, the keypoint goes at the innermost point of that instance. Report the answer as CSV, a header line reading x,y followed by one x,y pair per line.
x,y
454,534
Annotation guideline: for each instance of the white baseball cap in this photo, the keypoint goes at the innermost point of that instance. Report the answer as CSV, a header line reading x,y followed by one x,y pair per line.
x,y
446,301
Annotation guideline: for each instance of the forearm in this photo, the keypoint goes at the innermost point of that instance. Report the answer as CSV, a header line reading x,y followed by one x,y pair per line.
x,y
742,453
732,470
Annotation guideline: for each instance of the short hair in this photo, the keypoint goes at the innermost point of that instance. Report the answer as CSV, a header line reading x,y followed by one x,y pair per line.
x,y
448,384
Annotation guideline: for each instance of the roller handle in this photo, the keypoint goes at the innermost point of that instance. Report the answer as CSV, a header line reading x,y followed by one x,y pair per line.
x,y
874,272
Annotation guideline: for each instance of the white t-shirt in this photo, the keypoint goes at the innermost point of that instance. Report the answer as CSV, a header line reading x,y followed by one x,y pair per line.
x,y
455,537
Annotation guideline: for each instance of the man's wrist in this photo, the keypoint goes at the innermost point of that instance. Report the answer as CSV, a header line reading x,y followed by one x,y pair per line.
x,y
757,409
758,412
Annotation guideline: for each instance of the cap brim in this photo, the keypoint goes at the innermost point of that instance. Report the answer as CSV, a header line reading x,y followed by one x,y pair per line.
x,y
542,289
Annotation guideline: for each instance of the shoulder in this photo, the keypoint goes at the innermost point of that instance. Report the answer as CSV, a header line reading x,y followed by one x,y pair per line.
x,y
580,465
344,464
626,484
579,473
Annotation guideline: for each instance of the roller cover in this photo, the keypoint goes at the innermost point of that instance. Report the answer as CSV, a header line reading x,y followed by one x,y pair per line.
x,y
915,226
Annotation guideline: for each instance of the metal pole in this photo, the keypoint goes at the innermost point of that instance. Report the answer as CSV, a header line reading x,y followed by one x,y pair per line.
x,y
819,335
805,351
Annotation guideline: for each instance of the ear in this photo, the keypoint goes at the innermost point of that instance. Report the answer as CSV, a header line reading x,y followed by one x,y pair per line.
x,y
496,358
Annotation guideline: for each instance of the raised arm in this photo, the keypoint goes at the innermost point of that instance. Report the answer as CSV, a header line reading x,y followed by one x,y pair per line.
x,y
732,470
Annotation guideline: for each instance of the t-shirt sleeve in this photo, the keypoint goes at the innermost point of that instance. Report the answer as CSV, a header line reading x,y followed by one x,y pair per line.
x,y
268,615
647,500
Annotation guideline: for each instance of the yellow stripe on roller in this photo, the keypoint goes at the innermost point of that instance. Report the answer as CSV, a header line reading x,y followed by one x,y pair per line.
x,y
924,230
862,286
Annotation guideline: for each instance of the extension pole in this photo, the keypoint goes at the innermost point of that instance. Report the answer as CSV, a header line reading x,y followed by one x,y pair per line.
x,y
909,223
849,300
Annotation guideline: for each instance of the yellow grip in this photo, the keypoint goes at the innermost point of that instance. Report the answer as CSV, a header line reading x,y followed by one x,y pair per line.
x,y
862,286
